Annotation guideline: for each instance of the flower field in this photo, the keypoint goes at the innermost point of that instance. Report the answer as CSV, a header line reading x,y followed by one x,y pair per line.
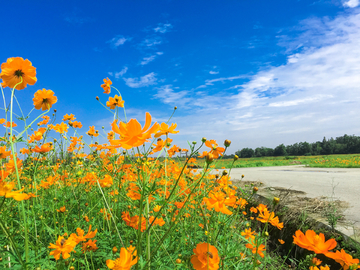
x,y
72,205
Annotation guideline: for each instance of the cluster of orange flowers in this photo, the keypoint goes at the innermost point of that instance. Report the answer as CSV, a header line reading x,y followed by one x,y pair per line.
x,y
63,246
316,242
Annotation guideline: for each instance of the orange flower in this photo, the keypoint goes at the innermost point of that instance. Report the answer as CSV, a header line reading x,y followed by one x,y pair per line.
x,y
248,234
206,257
115,102
127,259
215,150
106,85
44,99
61,128
8,124
6,191
79,237
62,247
46,147
16,68
313,242
45,121
92,132
75,124
89,245
314,263
2,121
281,241
259,250
165,130
218,201
346,260
131,134
3,152
62,209
70,117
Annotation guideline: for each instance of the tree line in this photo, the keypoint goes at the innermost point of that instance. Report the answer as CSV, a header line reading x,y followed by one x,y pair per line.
x,y
340,145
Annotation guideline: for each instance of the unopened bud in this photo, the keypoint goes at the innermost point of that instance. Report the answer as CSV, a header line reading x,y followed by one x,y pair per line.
x,y
236,157
175,108
227,143
203,139
114,250
97,98
55,111
224,172
276,200
194,142
255,189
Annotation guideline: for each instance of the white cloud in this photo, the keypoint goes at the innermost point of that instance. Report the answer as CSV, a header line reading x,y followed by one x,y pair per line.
x,y
213,72
314,94
163,28
147,60
121,73
144,81
168,95
151,42
351,3
117,41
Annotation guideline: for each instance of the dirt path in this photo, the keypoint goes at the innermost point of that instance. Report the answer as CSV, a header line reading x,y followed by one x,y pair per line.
x,y
314,187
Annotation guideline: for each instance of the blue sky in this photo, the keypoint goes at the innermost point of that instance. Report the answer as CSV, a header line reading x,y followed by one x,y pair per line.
x,y
259,73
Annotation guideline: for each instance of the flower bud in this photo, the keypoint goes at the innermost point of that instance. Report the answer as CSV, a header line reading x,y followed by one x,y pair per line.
x,y
114,250
175,108
203,139
227,143
242,176
255,189
55,111
97,98
209,158
276,200
178,261
236,157
194,142
225,172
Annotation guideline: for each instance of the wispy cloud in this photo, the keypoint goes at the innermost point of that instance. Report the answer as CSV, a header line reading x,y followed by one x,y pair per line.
x,y
163,28
313,94
121,73
147,60
151,42
351,3
169,95
117,41
213,72
147,80
222,79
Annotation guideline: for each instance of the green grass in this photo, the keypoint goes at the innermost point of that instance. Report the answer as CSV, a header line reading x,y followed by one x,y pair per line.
x,y
328,161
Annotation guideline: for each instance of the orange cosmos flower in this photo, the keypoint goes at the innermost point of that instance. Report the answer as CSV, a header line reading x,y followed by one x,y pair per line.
x,y
8,124
165,130
46,147
346,260
89,245
62,209
15,69
259,250
2,121
248,234
313,242
92,132
44,99
6,191
106,85
70,117
45,121
75,124
62,247
216,151
3,152
127,259
131,134
80,235
206,257
115,102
